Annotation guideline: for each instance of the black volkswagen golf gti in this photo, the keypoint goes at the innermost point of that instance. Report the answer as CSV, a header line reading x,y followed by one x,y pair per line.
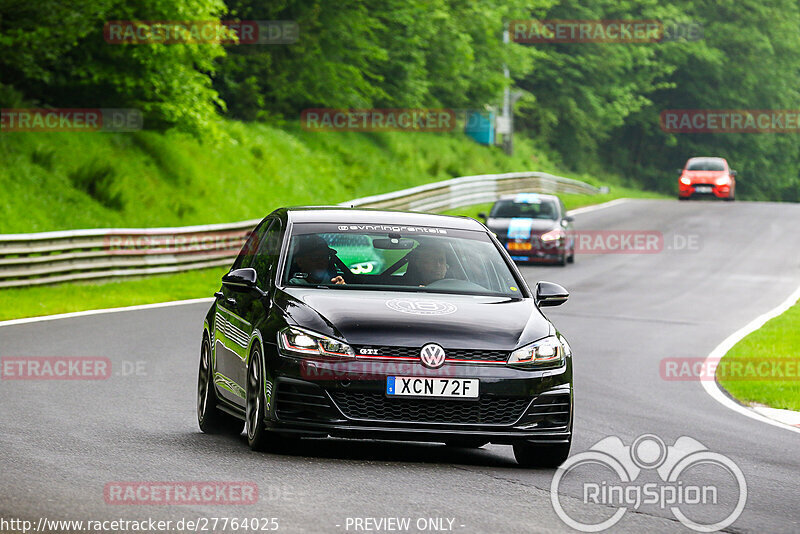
x,y
385,325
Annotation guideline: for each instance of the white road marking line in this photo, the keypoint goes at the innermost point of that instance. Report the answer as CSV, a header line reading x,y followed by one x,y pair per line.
x,y
789,417
101,311
711,386
595,207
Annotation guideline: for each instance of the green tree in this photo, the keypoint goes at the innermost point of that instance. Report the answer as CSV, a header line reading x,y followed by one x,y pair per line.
x,y
749,59
372,53
53,53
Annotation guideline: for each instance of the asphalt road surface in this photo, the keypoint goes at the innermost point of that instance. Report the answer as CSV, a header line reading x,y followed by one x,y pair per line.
x,y
722,265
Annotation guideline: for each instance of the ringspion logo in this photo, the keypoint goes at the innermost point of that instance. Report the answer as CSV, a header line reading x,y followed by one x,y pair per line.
x,y
650,474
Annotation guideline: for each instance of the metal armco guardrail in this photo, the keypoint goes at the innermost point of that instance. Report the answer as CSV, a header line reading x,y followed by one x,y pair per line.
x,y
52,257
467,190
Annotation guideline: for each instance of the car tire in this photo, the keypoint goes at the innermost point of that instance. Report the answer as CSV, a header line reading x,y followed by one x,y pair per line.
x,y
563,260
571,258
255,407
683,198
466,443
534,455
211,419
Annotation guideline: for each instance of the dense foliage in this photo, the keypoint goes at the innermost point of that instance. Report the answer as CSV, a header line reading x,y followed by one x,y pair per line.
x,y
597,105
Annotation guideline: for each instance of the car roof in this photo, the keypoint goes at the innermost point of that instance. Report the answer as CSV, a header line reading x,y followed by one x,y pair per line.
x,y
339,214
707,158
521,197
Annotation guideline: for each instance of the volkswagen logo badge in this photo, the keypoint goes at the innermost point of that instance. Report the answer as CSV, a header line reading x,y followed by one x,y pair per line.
x,y
432,355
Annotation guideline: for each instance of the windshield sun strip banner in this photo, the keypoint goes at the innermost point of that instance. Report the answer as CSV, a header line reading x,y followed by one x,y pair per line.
x,y
520,228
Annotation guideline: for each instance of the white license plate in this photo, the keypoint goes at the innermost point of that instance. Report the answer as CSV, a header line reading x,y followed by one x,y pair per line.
x,y
703,189
416,386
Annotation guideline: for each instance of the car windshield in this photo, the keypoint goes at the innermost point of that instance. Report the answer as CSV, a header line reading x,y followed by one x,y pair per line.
x,y
530,209
706,165
397,258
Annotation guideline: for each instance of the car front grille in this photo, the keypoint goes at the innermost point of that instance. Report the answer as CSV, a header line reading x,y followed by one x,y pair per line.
x,y
302,401
377,407
450,354
549,411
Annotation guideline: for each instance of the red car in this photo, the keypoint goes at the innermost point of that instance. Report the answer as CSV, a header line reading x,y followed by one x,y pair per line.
x,y
707,177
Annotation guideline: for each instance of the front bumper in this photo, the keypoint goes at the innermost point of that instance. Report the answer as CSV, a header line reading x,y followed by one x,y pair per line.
x,y
706,190
312,398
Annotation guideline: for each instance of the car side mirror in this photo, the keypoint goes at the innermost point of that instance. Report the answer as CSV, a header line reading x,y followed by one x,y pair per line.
x,y
550,294
569,218
680,171
482,215
242,280
732,172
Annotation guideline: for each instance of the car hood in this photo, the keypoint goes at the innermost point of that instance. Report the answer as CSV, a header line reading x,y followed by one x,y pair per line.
x,y
703,176
521,227
413,319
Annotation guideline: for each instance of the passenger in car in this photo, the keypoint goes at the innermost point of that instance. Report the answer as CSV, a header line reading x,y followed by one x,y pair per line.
x,y
312,262
426,264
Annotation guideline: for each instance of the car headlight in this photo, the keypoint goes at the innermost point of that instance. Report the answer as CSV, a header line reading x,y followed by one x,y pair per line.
x,y
552,235
722,180
304,342
685,181
549,351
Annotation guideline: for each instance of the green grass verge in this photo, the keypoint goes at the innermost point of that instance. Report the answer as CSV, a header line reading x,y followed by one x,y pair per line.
x,y
17,303
59,181
778,339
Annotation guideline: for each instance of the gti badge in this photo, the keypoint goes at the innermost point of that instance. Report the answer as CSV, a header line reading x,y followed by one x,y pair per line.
x,y
432,355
